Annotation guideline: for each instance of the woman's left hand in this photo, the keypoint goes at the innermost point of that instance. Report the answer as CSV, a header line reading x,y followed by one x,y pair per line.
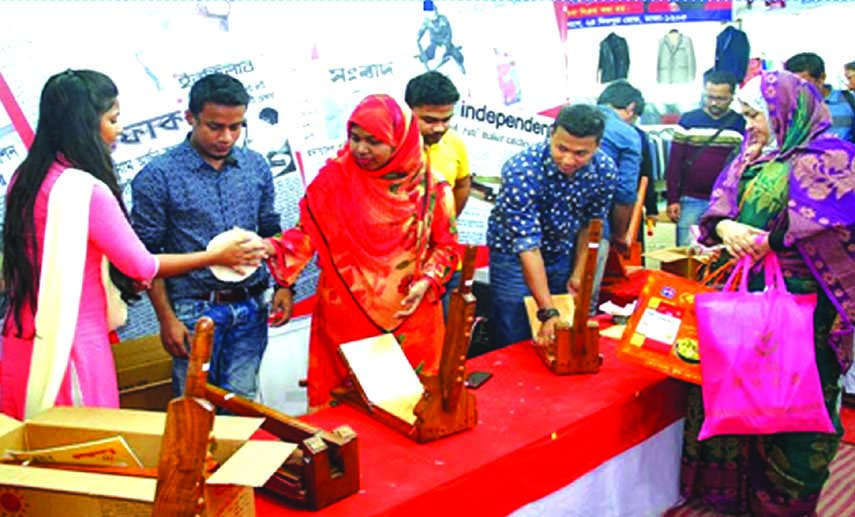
x,y
741,239
281,306
413,299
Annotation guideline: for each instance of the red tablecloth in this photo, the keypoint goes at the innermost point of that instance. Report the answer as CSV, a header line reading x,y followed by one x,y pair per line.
x,y
536,433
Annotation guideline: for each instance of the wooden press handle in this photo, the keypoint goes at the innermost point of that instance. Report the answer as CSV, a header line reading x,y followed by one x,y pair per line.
x,y
465,285
200,358
637,209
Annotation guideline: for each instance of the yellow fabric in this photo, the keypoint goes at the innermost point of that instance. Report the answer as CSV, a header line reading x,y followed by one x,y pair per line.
x,y
448,157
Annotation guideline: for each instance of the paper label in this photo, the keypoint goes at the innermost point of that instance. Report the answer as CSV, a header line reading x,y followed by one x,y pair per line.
x,y
109,452
658,326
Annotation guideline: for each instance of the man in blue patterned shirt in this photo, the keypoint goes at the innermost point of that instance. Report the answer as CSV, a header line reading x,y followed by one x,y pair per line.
x,y
181,200
550,192
810,67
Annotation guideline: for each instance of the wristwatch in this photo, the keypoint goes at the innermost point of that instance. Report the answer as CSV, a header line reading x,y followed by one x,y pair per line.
x,y
546,314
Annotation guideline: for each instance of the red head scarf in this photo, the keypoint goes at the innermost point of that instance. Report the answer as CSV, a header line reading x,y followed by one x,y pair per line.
x,y
372,224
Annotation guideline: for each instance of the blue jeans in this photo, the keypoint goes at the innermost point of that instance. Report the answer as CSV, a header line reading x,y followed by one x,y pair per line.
x,y
507,290
452,284
240,338
691,210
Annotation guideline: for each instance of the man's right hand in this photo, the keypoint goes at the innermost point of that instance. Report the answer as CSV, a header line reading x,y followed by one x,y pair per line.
x,y
175,338
574,284
674,212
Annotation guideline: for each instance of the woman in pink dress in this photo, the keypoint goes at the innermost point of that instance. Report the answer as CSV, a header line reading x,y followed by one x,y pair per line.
x,y
78,125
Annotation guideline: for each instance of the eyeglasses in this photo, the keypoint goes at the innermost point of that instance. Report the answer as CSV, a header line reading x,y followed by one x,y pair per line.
x,y
715,98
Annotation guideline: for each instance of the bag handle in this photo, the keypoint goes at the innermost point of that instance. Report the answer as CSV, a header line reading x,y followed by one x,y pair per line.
x,y
772,271
714,275
741,270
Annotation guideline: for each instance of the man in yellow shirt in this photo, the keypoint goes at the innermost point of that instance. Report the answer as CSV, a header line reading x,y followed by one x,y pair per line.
x,y
432,97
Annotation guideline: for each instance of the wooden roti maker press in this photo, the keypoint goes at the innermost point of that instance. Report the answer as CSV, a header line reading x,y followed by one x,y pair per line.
x,y
444,407
576,349
324,468
182,467
618,267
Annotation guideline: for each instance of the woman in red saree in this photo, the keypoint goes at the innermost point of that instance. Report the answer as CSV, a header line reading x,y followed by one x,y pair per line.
x,y
384,230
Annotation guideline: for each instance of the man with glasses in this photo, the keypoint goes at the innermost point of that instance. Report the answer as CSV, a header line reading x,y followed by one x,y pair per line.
x,y
703,143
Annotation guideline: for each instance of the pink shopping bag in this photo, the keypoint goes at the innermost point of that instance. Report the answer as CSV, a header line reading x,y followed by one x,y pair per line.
x,y
759,367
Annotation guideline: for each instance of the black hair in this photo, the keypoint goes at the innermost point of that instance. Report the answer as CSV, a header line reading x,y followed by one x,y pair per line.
x,y
217,88
430,89
806,62
620,94
581,121
722,77
849,66
69,128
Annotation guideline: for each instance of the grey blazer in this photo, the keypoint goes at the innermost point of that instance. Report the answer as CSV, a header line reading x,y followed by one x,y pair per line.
x,y
676,61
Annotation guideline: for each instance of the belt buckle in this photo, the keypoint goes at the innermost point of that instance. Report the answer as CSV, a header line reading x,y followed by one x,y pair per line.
x,y
233,295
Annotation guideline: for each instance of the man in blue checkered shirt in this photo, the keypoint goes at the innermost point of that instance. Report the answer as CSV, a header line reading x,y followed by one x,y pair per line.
x,y
181,200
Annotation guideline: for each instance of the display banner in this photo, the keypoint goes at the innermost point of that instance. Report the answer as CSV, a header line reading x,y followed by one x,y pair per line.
x,y
581,15
303,83
493,133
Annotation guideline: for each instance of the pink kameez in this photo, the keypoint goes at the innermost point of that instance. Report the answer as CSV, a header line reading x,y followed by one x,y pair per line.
x,y
110,235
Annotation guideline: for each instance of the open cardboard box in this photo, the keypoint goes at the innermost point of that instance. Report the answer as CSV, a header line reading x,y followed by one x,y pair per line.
x,y
144,371
38,491
682,261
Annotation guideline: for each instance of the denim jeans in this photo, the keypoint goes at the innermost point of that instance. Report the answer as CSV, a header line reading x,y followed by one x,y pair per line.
x,y
691,210
240,338
449,288
507,290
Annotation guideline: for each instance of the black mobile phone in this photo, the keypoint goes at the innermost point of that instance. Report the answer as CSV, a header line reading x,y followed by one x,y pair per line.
x,y
475,379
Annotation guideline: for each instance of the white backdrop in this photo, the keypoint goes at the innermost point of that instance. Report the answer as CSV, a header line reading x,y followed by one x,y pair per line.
x,y
311,62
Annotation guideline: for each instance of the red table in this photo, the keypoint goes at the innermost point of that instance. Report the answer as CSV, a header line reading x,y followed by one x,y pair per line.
x,y
537,432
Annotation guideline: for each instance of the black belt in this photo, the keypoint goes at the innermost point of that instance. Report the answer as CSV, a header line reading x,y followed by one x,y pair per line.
x,y
237,294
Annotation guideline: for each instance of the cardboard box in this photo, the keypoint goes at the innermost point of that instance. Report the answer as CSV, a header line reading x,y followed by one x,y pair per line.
x,y
144,371
141,362
42,492
678,261
153,397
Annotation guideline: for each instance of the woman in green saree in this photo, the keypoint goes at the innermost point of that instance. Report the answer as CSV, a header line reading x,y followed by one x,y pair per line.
x,y
789,190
